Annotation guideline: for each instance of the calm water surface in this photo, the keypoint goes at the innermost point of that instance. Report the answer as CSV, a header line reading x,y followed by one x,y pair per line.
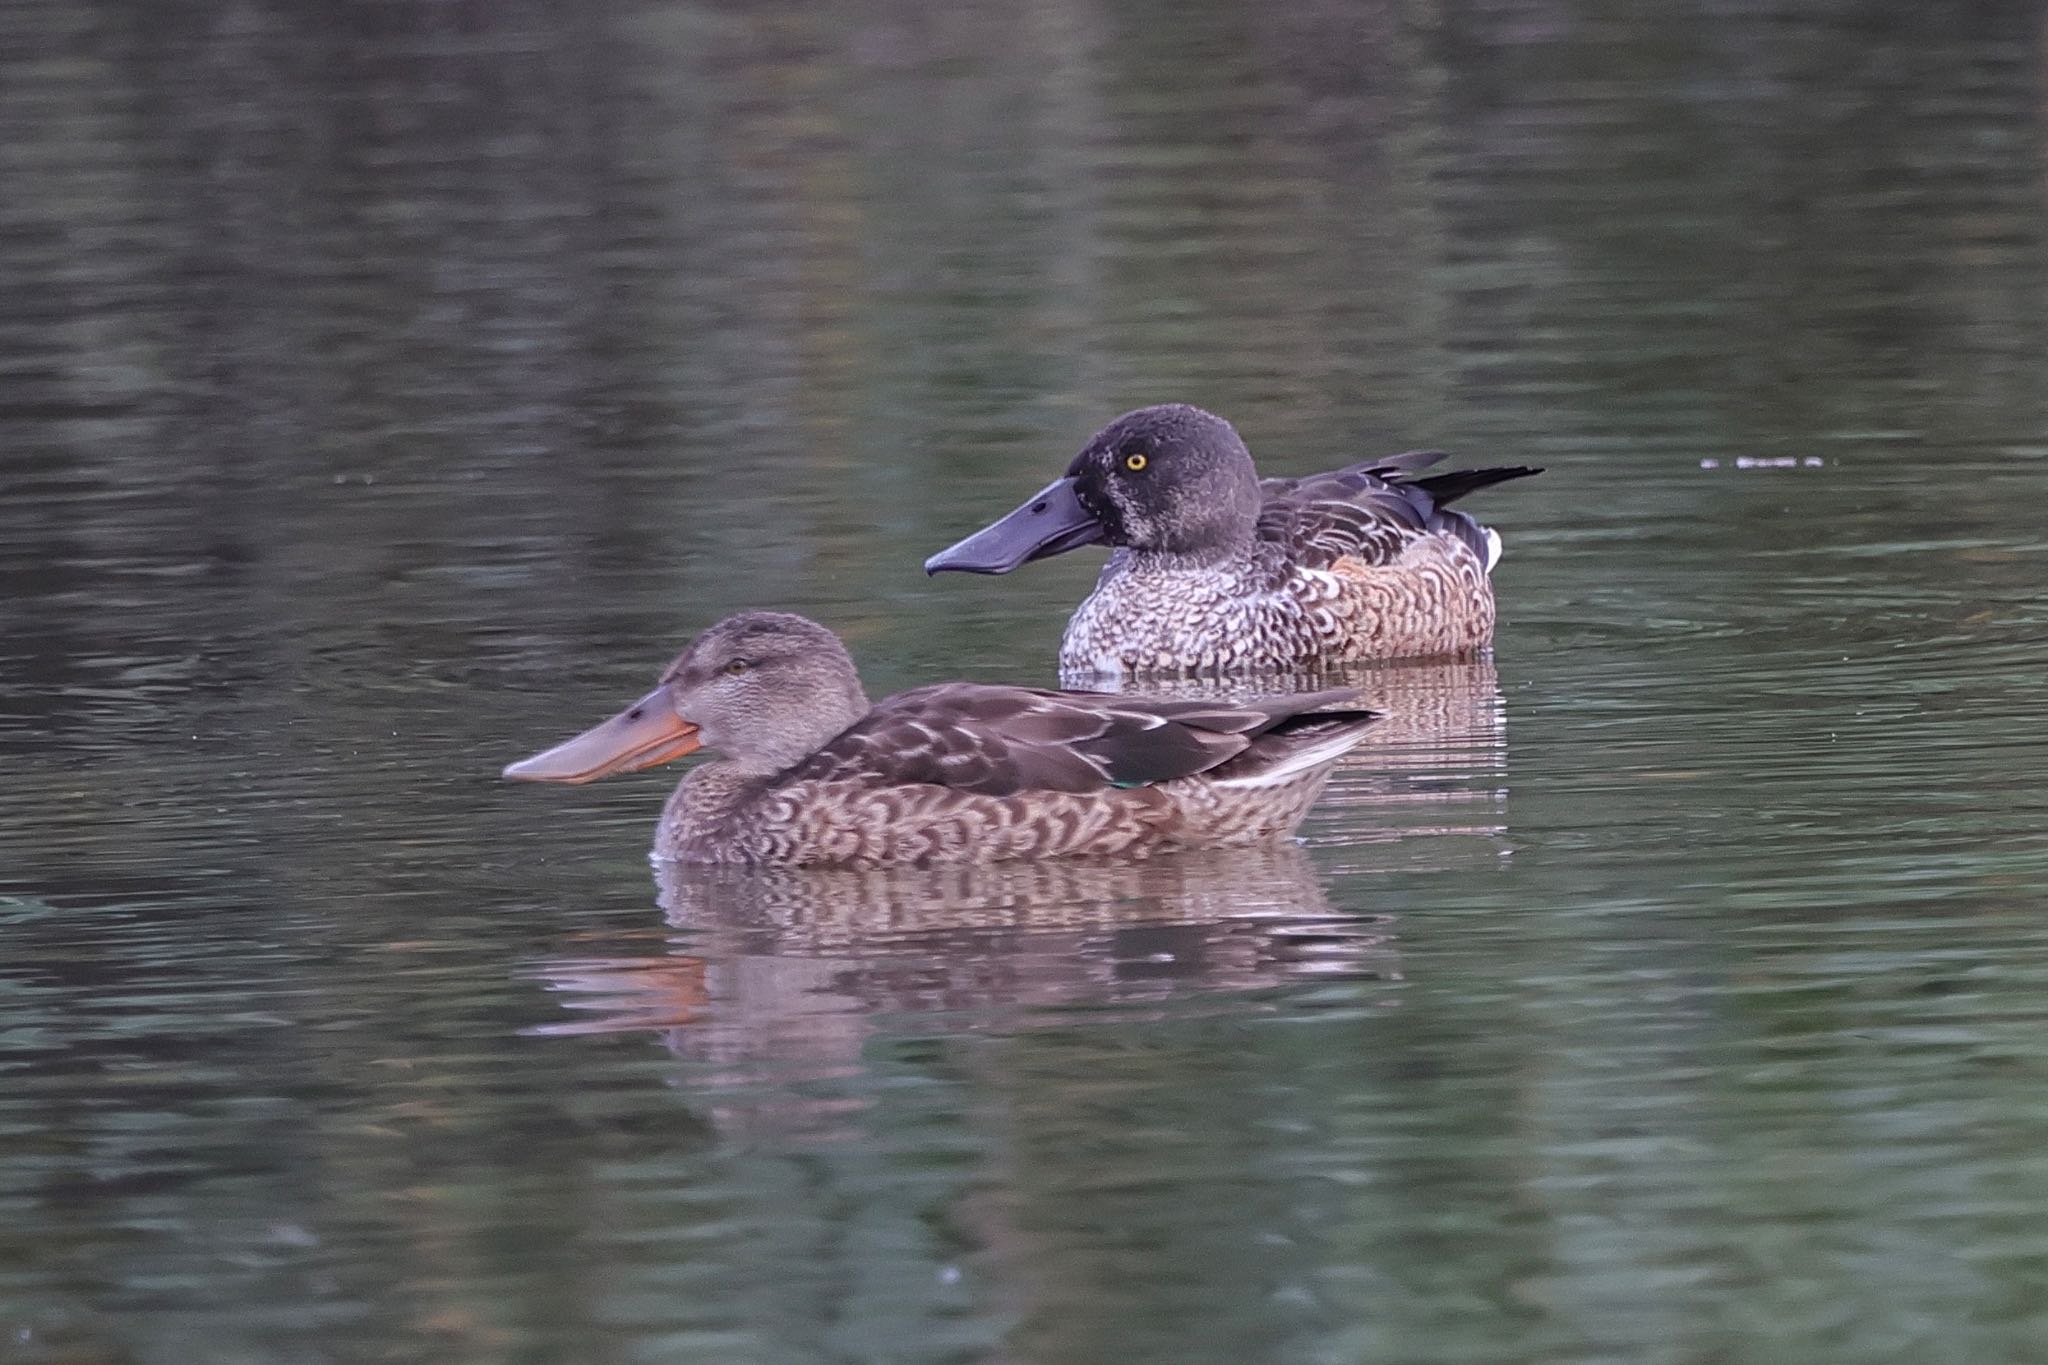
x,y
387,390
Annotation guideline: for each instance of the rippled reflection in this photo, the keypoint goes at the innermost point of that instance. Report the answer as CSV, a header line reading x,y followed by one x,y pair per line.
x,y
783,975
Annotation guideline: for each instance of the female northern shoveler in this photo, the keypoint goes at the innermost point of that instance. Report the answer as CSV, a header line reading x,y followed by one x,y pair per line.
x,y
1218,570
811,773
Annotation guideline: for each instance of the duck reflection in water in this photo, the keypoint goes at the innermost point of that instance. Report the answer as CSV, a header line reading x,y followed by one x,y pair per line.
x,y
780,976
1427,788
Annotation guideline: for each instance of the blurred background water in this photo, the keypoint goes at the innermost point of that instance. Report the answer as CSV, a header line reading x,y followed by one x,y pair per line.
x,y
387,389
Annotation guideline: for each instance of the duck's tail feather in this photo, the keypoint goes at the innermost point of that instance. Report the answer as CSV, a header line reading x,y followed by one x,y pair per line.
x,y
1296,746
1445,489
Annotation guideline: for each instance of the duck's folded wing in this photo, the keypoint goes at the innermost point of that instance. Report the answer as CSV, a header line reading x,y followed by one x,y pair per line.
x,y
1340,485
999,741
1373,510
1374,528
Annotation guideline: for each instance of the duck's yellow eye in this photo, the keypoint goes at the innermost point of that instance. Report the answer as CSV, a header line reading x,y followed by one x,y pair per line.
x,y
1135,462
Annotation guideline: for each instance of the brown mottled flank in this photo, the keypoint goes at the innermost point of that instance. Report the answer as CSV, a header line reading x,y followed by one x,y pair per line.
x,y
856,823
812,774
1432,598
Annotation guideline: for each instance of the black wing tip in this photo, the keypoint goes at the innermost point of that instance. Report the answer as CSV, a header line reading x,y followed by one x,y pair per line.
x,y
1306,710
1357,717
1494,473
1444,489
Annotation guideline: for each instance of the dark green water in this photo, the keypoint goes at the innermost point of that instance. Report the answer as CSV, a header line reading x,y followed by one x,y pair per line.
x,y
387,389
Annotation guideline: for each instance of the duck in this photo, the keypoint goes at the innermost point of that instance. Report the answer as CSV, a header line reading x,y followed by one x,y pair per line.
x,y
809,773
1215,570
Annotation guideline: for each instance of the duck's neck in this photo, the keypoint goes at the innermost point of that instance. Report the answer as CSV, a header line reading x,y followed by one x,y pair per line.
x,y
1217,556
701,804
789,738
1216,522
710,796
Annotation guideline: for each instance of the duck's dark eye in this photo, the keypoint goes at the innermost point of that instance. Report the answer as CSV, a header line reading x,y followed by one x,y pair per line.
x,y
736,667
1135,462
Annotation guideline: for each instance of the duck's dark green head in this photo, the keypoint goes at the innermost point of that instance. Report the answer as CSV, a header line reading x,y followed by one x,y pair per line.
x,y
1172,479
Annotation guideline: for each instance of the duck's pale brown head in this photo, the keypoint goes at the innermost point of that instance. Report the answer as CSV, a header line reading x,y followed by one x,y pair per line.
x,y
1171,479
763,689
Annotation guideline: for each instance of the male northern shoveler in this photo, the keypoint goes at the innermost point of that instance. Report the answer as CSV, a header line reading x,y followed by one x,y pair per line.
x,y
811,773
1218,570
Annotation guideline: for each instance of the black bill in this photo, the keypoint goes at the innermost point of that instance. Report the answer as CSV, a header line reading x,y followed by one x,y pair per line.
x,y
1052,522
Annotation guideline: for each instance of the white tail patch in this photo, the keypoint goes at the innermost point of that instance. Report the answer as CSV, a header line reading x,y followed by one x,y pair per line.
x,y
1292,765
1492,548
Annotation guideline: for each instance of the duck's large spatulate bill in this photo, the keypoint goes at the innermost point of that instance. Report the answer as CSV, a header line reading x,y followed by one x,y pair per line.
x,y
1052,521
647,733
